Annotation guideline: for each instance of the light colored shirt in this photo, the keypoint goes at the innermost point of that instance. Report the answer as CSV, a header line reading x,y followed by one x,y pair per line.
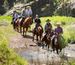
x,y
15,16
28,12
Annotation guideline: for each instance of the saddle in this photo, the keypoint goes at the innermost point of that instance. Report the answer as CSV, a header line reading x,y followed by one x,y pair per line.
x,y
38,27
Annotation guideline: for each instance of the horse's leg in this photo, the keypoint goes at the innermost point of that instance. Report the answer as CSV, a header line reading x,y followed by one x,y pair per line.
x,y
23,31
26,31
33,36
53,49
13,25
40,37
17,28
48,46
36,37
57,50
60,49
20,29
42,43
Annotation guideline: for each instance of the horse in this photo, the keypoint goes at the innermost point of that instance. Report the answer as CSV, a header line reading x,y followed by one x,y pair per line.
x,y
38,32
26,24
21,24
56,44
47,40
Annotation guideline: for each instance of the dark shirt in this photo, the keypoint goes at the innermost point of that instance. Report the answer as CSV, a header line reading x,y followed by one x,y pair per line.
x,y
37,21
59,30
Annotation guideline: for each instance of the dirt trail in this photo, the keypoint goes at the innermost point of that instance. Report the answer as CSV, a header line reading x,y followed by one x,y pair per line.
x,y
28,49
19,41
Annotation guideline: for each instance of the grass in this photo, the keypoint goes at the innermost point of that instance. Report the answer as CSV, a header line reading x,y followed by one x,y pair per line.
x,y
7,55
56,19
7,19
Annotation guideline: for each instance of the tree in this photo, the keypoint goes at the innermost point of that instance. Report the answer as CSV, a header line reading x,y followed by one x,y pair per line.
x,y
6,5
2,10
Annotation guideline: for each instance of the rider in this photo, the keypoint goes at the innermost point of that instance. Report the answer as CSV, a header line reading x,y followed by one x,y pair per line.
x,y
37,21
15,17
28,11
24,13
48,26
58,33
59,29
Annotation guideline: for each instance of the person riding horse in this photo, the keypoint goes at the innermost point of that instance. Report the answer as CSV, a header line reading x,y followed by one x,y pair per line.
x,y
15,17
48,33
48,27
27,12
57,38
37,22
59,29
38,30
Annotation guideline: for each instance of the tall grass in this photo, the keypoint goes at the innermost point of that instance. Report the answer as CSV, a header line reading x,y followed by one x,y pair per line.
x,y
7,55
55,19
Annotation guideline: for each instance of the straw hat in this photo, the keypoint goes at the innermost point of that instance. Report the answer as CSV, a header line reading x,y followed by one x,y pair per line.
x,y
28,6
58,23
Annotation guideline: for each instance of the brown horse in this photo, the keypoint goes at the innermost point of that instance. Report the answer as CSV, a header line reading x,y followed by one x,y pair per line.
x,y
47,40
56,44
21,24
26,24
38,32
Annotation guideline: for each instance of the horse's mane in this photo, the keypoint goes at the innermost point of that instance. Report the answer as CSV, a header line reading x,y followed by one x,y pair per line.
x,y
28,18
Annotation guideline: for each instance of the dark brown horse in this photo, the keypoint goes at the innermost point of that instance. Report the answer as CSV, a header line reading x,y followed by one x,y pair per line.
x,y
26,24
46,40
21,25
56,44
38,32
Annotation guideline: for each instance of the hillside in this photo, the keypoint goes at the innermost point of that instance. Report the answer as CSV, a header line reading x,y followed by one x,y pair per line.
x,y
46,7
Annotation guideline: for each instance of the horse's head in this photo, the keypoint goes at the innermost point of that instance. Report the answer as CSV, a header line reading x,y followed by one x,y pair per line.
x,y
39,29
30,20
48,36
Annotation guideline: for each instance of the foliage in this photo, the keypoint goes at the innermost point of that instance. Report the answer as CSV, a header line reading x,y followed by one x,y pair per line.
x,y
7,55
55,19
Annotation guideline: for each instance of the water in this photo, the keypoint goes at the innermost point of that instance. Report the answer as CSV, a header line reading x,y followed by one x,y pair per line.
x,y
40,56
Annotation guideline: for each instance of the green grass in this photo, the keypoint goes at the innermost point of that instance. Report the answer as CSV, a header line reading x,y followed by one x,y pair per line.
x,y
55,19
6,18
7,55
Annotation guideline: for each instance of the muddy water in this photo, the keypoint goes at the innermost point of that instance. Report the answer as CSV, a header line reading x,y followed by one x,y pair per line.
x,y
40,56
